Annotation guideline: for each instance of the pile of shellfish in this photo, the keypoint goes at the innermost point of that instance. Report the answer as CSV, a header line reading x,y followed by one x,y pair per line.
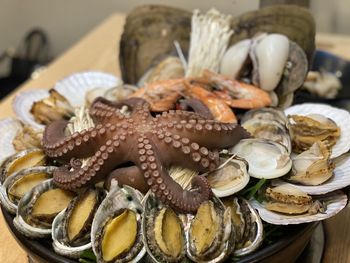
x,y
299,152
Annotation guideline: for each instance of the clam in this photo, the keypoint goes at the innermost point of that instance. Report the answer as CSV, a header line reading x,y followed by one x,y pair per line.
x,y
71,228
266,159
313,166
269,130
116,229
19,183
210,236
266,114
9,128
38,207
52,108
119,92
230,178
306,130
163,232
24,159
148,38
287,199
247,224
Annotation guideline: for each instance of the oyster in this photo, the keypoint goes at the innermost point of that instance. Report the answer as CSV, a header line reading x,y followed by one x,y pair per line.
x,y
231,177
50,109
71,228
26,138
313,166
148,36
21,160
163,232
266,159
38,207
269,130
18,184
210,237
247,224
287,199
306,130
116,228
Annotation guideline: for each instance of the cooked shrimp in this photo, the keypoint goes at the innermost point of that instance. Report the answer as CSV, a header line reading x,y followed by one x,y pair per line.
x,y
237,94
220,110
161,95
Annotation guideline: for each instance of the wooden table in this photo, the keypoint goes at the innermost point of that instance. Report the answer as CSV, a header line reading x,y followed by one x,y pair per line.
x,y
99,51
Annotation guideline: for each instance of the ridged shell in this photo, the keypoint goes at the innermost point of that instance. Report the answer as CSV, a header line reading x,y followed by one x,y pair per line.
x,y
75,86
335,201
23,103
9,128
295,22
339,116
57,233
4,198
148,37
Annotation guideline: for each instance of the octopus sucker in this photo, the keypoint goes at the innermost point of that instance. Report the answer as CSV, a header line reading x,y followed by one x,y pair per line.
x,y
153,144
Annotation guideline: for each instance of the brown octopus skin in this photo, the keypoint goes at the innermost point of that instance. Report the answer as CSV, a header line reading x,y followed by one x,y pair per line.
x,y
153,144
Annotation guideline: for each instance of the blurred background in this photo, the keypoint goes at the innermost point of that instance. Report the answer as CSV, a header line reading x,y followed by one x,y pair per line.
x,y
65,22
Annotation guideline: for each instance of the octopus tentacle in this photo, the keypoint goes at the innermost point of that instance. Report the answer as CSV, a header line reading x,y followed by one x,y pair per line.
x,y
197,106
104,160
164,187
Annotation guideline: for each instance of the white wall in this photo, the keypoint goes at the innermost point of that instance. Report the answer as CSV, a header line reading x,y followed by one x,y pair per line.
x,y
67,21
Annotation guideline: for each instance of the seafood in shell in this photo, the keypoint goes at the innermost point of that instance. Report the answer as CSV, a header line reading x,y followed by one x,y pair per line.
x,y
247,224
19,183
71,228
266,159
313,166
116,228
266,114
9,128
24,159
306,130
26,138
38,208
148,37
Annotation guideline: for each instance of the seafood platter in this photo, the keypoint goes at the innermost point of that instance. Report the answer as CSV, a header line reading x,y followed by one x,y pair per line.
x,y
190,154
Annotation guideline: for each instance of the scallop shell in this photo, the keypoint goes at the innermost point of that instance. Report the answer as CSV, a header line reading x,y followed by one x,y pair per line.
x,y
9,128
75,86
335,201
23,103
339,116
57,233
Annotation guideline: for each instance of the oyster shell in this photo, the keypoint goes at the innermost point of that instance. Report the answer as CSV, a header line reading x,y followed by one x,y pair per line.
x,y
9,128
24,159
71,228
52,108
210,237
163,232
306,130
231,177
339,116
313,166
38,207
295,22
266,159
335,201
247,224
116,229
148,36
19,183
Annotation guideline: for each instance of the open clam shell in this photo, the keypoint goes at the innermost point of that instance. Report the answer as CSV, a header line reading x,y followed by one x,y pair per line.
x,y
23,103
23,180
335,202
75,86
36,226
339,116
118,205
9,128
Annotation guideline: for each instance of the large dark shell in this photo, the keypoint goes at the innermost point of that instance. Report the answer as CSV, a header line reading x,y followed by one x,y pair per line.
x,y
295,22
149,35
